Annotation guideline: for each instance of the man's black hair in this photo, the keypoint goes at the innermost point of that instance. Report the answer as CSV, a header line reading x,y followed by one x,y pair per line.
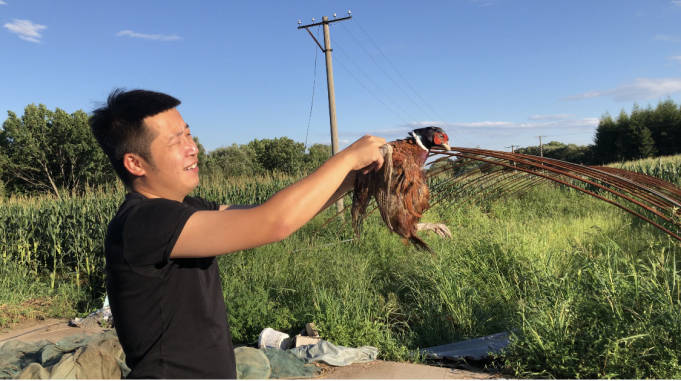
x,y
119,129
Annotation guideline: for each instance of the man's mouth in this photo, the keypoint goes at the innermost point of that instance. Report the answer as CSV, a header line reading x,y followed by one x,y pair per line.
x,y
189,168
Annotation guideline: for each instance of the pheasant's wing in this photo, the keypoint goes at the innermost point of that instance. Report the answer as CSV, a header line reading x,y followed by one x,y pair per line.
x,y
372,184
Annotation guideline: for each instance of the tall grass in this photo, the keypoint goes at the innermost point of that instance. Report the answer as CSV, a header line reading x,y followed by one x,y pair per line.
x,y
586,290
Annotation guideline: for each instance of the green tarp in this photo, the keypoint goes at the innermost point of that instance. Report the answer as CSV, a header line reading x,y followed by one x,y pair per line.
x,y
100,356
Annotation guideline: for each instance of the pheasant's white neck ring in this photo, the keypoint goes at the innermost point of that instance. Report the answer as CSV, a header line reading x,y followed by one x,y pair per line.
x,y
418,141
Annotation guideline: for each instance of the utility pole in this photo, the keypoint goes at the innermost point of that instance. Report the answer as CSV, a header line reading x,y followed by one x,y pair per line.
x,y
541,147
512,147
329,79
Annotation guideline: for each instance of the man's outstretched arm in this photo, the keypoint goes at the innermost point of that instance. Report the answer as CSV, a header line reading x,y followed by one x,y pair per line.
x,y
347,185
210,233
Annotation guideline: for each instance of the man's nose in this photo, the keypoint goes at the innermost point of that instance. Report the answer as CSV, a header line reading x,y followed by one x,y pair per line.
x,y
193,149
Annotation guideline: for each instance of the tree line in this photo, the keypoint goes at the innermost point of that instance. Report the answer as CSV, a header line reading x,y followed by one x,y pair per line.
x,y
46,151
643,133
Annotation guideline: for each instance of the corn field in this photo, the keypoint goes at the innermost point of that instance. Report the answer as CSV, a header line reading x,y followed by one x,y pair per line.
x,y
62,241
667,168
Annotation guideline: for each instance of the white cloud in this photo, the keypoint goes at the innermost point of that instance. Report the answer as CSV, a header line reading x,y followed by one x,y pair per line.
x,y
676,3
640,89
550,117
485,123
667,37
676,58
26,30
548,121
156,37
2,2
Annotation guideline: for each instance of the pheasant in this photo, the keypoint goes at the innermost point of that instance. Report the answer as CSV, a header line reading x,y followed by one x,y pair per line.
x,y
459,173
400,187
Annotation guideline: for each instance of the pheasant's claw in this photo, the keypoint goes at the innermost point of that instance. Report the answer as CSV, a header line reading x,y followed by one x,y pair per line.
x,y
440,229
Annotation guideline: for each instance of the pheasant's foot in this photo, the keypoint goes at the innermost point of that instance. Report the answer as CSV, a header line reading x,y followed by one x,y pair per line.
x,y
440,229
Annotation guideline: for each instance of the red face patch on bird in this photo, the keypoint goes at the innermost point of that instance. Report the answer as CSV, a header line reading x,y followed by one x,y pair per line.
x,y
440,139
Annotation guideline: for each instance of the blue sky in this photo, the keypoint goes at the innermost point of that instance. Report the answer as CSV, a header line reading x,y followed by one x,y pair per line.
x,y
491,72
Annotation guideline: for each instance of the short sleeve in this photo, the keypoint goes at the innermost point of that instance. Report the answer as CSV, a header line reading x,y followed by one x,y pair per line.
x,y
151,230
201,204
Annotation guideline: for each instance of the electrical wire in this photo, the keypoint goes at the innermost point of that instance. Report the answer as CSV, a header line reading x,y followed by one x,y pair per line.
x,y
367,79
394,67
387,106
387,74
314,85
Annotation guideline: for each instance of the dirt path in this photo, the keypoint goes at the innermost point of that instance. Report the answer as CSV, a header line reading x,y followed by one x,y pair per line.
x,y
49,329
398,371
55,329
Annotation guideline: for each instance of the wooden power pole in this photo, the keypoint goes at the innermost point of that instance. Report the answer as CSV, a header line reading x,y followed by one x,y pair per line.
x,y
329,79
541,147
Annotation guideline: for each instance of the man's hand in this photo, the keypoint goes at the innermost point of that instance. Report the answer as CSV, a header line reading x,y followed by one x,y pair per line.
x,y
365,153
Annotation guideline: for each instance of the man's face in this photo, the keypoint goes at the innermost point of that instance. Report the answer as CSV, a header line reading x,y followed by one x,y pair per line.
x,y
173,170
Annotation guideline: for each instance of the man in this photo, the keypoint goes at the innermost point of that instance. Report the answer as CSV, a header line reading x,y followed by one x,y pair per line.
x,y
162,277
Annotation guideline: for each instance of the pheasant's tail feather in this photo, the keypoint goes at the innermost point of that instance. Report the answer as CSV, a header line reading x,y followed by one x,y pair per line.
x,y
382,194
360,201
420,244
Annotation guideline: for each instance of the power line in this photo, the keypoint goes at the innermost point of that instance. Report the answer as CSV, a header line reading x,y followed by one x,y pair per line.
x,y
378,65
396,113
394,67
367,79
314,85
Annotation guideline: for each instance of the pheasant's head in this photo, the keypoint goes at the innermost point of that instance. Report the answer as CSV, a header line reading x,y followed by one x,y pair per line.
x,y
429,137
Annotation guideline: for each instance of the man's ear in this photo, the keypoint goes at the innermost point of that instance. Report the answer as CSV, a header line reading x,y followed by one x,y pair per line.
x,y
135,164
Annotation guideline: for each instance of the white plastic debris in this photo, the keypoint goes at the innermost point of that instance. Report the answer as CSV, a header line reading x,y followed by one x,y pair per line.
x,y
270,338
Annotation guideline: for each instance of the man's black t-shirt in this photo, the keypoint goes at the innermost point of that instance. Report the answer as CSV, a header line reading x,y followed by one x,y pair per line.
x,y
169,313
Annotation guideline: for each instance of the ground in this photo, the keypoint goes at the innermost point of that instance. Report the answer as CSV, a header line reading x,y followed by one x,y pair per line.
x,y
55,329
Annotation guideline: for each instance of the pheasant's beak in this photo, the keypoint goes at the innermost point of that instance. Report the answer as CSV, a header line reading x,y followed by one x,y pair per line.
x,y
446,146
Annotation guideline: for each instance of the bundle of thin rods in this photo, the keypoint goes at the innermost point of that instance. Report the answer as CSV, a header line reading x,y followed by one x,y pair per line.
x,y
470,173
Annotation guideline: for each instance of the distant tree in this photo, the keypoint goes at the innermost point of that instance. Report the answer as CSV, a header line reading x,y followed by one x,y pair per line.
x,y
665,127
641,143
201,156
624,147
279,154
646,147
3,165
234,160
316,156
605,149
51,151
561,151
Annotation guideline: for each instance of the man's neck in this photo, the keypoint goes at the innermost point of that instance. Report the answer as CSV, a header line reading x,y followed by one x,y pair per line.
x,y
148,192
